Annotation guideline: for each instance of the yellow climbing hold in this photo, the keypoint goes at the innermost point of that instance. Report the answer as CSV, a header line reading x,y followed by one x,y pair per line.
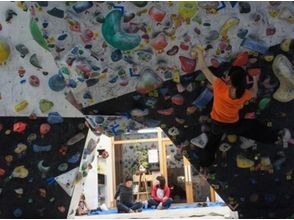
x,y
243,162
188,9
232,138
285,45
21,106
4,52
230,23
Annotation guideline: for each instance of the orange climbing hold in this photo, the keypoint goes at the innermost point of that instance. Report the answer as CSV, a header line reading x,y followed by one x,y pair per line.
x,y
241,60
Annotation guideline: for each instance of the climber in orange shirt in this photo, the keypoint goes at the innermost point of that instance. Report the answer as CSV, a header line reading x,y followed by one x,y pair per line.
x,y
230,94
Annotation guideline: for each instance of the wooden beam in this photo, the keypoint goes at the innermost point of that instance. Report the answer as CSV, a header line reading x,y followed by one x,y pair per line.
x,y
133,141
212,194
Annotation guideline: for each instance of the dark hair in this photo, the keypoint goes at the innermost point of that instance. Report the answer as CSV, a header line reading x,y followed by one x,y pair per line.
x,y
238,80
128,178
161,180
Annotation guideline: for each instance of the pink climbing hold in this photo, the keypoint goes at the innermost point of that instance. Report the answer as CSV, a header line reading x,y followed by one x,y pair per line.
x,y
157,14
45,128
188,65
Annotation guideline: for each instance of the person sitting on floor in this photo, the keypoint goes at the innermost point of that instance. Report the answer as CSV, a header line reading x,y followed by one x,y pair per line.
x,y
82,208
160,194
125,203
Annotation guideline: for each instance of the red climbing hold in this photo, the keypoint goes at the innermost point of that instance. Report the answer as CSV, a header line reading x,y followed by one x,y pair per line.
x,y
2,172
157,14
254,71
241,60
188,65
159,42
19,127
166,112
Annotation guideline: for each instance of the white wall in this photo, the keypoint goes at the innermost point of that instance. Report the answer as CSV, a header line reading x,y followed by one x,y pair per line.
x,y
105,143
90,187
79,186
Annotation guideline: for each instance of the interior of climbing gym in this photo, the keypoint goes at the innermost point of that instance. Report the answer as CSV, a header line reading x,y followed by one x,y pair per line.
x,y
146,109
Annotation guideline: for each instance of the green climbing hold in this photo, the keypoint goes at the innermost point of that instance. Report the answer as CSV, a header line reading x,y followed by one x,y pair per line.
x,y
200,77
37,34
115,35
140,4
45,105
264,103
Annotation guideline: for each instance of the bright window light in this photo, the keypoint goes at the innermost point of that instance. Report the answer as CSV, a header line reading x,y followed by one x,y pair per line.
x,y
147,130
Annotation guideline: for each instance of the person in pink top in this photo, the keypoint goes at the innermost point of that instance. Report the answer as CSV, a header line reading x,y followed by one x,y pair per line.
x,y
160,195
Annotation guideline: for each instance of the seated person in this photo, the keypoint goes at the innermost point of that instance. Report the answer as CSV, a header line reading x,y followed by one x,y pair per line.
x,y
160,194
125,203
82,208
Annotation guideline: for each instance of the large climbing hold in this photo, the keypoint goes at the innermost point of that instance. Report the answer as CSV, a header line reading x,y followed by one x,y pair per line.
x,y
115,36
188,9
57,82
230,23
148,81
37,34
284,71
4,52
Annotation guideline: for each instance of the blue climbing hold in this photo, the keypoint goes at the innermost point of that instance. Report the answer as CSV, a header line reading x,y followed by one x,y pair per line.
x,y
204,98
116,55
54,118
74,158
17,212
62,37
57,82
72,83
79,7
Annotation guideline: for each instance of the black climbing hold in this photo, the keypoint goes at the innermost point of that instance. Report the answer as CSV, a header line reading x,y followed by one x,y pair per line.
x,y
43,3
9,15
244,7
56,12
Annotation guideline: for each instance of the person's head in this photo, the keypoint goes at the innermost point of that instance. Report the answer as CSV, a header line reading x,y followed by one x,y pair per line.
x,y
237,80
128,181
160,182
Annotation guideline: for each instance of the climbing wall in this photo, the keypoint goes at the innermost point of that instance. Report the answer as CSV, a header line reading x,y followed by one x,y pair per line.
x,y
34,154
127,65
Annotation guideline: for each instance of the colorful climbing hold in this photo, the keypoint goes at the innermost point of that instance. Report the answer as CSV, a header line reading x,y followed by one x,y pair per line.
x,y
37,34
21,106
45,105
4,51
115,36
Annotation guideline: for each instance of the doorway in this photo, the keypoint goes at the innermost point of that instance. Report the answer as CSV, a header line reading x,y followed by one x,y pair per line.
x,y
178,173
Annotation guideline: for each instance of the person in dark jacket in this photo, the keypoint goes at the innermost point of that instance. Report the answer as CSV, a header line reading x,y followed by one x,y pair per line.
x,y
125,203
160,195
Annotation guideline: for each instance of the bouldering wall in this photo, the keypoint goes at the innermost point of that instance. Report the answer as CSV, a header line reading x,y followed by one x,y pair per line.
x,y
121,62
35,154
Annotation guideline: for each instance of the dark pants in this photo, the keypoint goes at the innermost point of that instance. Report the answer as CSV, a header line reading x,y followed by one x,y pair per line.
x,y
248,128
121,207
166,204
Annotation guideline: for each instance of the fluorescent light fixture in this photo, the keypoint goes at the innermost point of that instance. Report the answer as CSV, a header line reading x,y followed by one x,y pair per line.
x,y
147,130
